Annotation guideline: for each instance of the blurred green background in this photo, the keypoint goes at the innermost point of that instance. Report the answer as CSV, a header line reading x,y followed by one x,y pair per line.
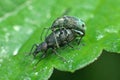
x,y
21,23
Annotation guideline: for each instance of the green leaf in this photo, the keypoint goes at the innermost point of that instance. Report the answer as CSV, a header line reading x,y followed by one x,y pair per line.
x,y
22,22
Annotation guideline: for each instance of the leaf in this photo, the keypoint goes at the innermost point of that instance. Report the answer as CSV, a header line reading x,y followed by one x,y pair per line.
x,y
23,21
